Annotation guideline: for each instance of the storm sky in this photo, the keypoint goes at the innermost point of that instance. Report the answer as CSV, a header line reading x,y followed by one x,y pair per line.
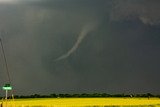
x,y
81,46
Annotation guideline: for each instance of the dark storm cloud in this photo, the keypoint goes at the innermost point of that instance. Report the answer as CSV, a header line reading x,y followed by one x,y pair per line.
x,y
145,10
122,50
34,36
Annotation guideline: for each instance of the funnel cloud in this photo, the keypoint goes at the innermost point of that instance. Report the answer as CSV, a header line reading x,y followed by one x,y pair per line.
x,y
84,32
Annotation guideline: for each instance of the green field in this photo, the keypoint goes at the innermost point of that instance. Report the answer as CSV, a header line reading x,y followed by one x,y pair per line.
x,y
83,102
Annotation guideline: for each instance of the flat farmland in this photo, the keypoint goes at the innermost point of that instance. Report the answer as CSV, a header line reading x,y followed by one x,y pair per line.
x,y
83,102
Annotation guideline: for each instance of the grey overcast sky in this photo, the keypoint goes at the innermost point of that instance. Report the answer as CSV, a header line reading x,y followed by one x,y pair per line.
x,y
81,46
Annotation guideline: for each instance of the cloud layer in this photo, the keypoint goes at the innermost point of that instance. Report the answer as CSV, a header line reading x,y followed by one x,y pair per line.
x,y
144,10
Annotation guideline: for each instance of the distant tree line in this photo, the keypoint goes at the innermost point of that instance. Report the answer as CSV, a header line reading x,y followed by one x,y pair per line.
x,y
85,95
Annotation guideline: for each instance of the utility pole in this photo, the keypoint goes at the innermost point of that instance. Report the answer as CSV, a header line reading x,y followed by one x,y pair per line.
x,y
7,86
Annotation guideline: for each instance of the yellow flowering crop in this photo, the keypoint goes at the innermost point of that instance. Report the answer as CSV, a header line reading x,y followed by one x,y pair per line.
x,y
83,102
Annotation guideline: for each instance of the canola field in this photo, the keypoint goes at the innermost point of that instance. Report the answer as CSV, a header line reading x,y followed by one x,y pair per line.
x,y
83,102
